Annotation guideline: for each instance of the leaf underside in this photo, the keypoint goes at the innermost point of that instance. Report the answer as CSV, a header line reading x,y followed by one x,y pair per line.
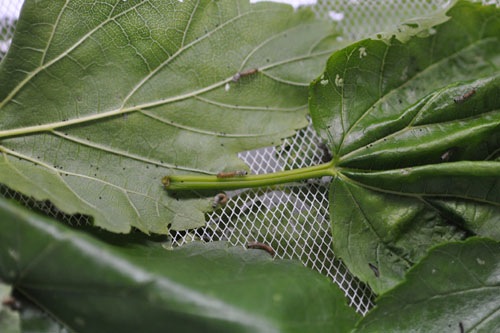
x,y
414,127
101,99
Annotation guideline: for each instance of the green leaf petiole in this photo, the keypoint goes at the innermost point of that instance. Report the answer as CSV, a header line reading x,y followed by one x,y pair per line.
x,y
201,182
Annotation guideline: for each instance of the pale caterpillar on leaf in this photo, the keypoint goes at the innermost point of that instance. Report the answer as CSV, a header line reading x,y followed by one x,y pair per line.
x,y
464,97
237,173
247,72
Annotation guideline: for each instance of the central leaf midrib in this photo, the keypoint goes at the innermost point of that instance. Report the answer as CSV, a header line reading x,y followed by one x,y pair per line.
x,y
126,110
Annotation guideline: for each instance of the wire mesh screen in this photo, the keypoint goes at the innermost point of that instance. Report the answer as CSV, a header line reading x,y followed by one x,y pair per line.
x,y
9,11
293,220
360,18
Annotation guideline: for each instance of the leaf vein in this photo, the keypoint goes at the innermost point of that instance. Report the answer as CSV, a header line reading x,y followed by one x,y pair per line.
x,y
121,153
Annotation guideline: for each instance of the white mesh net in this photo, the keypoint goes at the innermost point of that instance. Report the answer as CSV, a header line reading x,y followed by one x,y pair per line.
x,y
9,11
360,18
293,220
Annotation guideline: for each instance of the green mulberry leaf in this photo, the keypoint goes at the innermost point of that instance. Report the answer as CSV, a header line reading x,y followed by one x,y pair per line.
x,y
101,99
414,127
454,288
104,282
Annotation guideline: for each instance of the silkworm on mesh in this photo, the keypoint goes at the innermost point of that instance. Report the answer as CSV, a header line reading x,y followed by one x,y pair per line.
x,y
261,246
247,72
465,96
237,173
220,199
374,269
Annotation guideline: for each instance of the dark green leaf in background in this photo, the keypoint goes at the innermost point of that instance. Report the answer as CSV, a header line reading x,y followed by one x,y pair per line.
x,y
455,285
131,284
414,127
101,99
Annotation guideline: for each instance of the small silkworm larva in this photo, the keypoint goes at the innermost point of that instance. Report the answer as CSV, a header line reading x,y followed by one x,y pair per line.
x,y
445,157
237,173
239,75
166,181
374,269
261,246
220,199
325,151
465,96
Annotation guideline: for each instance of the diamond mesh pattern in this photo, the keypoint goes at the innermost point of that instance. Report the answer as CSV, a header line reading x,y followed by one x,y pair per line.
x,y
361,18
7,25
293,220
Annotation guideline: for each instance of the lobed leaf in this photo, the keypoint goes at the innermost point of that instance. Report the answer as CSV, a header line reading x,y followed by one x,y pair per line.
x,y
414,126
101,99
